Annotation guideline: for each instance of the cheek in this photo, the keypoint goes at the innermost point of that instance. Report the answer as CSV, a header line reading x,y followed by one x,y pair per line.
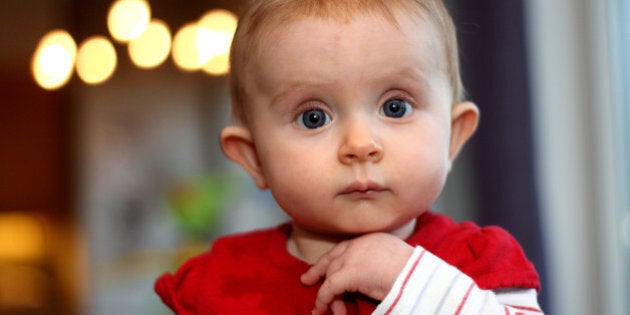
x,y
425,146
422,166
421,187
300,190
293,175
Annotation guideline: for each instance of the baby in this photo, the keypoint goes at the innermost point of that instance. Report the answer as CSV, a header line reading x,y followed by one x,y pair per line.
x,y
351,113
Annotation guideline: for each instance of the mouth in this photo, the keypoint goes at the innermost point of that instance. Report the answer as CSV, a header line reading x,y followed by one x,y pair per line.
x,y
362,189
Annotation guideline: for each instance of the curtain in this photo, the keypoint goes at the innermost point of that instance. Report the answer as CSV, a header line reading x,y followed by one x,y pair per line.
x,y
493,50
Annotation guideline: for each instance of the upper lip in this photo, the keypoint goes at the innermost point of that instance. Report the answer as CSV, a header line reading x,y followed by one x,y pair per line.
x,y
362,187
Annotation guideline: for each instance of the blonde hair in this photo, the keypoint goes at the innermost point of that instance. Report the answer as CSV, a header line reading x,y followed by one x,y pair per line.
x,y
259,14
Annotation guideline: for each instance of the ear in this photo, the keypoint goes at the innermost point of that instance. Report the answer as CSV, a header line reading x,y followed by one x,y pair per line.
x,y
238,145
464,120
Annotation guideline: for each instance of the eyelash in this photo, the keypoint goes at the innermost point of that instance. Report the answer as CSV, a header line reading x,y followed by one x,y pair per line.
x,y
306,106
400,95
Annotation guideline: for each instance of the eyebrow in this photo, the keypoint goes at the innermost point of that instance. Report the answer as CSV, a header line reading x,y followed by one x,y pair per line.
x,y
409,74
293,89
393,76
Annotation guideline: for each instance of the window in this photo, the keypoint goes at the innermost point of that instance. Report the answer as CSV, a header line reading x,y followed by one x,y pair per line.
x,y
580,53
620,30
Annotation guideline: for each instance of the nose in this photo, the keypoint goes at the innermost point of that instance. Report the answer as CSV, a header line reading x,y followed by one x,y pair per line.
x,y
360,144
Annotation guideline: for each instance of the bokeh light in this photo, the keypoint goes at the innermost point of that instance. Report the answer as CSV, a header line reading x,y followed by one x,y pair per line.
x,y
96,60
54,58
128,19
21,237
219,20
216,31
185,53
200,45
218,65
152,47
206,43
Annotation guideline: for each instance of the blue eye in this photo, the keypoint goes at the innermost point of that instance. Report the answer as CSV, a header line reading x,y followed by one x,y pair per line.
x,y
396,108
313,119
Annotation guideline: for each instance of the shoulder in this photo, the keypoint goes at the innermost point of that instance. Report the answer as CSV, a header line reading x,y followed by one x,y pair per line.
x,y
490,255
179,290
230,254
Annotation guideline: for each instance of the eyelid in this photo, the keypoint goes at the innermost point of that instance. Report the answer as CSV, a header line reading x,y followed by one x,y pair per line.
x,y
309,105
398,94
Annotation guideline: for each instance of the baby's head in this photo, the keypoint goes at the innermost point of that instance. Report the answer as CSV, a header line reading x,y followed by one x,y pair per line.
x,y
349,111
263,16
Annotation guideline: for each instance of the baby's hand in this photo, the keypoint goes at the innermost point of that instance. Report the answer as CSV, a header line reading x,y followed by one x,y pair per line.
x,y
368,264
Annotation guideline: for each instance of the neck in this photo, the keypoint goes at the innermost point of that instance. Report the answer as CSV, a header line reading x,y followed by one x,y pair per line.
x,y
308,246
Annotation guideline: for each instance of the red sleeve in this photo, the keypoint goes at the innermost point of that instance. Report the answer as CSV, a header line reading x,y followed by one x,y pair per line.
x,y
180,291
495,260
489,255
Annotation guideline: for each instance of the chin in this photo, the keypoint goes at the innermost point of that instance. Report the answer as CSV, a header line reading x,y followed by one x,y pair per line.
x,y
355,231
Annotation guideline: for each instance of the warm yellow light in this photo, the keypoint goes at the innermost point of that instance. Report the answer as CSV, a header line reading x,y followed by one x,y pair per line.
x,y
185,53
218,65
219,20
96,60
216,31
127,19
54,58
152,48
21,237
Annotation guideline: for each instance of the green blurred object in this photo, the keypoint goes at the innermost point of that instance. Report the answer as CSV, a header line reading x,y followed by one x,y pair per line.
x,y
197,204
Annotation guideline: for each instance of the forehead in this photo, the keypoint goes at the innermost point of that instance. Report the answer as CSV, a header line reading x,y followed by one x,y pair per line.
x,y
332,50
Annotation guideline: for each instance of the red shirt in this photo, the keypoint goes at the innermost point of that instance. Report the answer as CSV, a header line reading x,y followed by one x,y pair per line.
x,y
253,273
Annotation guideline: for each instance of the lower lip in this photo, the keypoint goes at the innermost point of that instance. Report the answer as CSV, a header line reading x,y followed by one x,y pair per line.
x,y
363,194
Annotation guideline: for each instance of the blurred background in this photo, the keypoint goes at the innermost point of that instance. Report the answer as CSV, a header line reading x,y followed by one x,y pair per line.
x,y
111,172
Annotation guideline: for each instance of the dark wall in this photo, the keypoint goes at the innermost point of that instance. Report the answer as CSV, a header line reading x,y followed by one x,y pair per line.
x,y
494,59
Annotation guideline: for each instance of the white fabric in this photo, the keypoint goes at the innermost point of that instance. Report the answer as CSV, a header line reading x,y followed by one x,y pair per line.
x,y
428,285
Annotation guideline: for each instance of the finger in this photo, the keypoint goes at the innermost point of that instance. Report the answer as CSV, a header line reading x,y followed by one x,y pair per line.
x,y
338,249
322,306
315,272
332,288
338,307
321,267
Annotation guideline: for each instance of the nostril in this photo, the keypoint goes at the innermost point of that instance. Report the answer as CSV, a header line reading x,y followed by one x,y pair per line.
x,y
375,154
360,145
371,152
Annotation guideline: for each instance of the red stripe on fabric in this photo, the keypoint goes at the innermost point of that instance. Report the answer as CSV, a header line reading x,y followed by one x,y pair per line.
x,y
525,308
507,311
461,305
402,288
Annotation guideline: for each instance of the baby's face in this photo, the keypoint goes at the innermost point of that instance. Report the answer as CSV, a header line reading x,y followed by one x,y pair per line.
x,y
351,121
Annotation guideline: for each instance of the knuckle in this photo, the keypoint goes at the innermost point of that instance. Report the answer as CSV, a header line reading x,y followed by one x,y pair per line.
x,y
335,284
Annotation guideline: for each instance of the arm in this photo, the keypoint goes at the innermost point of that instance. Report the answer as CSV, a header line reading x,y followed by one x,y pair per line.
x,y
439,288
406,280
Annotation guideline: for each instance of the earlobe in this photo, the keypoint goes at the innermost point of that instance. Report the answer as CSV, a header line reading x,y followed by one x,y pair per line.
x,y
238,145
464,120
